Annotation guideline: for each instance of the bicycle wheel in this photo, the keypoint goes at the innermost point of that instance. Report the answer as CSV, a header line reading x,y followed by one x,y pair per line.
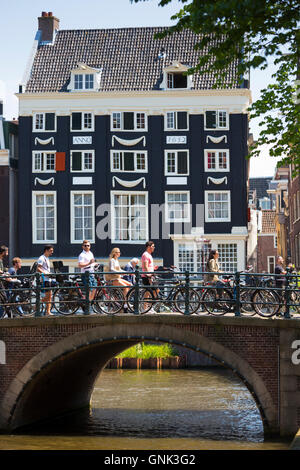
x,y
217,305
247,307
24,303
266,303
65,301
109,300
146,298
179,299
4,309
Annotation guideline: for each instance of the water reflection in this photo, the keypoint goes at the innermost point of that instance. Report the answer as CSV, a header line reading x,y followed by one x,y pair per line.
x,y
148,409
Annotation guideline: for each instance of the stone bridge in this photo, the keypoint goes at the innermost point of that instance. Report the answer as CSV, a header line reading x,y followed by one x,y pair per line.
x,y
48,366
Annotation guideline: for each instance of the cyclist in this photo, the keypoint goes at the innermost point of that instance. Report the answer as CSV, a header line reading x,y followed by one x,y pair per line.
x,y
213,267
148,267
86,262
130,268
3,272
13,282
43,267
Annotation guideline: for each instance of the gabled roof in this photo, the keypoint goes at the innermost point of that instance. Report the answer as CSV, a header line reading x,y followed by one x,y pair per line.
x,y
128,57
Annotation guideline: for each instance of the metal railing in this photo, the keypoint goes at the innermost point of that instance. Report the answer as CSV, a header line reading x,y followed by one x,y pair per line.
x,y
241,294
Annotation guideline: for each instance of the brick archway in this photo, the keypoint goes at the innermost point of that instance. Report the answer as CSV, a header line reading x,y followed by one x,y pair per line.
x,y
61,377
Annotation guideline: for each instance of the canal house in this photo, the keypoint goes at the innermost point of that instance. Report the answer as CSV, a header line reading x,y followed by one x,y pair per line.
x,y
118,145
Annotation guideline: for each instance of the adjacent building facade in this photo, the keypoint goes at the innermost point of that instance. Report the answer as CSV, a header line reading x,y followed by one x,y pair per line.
x,y
118,145
294,218
8,181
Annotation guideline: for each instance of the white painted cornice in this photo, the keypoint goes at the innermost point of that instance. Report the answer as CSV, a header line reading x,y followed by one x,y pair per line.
x,y
152,102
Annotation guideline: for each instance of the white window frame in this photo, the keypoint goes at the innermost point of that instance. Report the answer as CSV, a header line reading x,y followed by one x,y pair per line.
x,y
223,219
135,152
43,162
34,225
85,129
175,120
113,225
121,128
176,162
188,217
170,79
43,113
268,262
82,161
84,74
217,169
218,127
72,224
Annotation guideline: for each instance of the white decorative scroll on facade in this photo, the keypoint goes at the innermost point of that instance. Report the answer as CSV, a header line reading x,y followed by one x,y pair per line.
x,y
216,140
44,141
128,142
82,139
217,180
176,139
128,184
44,182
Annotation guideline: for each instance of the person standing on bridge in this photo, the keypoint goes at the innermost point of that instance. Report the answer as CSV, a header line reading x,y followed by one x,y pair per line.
x,y
43,267
86,262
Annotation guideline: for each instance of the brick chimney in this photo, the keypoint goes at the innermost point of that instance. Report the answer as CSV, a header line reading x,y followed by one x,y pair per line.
x,y
48,24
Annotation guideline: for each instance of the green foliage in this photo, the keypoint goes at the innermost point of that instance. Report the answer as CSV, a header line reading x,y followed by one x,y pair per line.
x,y
249,32
146,351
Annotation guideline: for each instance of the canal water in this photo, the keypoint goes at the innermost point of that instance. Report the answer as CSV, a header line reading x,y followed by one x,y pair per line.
x,y
202,409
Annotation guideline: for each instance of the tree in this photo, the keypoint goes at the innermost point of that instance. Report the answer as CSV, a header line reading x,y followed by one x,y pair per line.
x,y
252,32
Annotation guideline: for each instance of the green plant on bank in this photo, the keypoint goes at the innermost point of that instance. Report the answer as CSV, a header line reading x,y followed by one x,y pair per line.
x,y
147,351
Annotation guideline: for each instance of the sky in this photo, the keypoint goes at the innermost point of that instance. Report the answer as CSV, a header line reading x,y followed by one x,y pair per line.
x,y
18,26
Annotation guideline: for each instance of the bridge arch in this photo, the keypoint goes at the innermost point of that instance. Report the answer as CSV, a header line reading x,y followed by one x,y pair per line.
x,y
61,378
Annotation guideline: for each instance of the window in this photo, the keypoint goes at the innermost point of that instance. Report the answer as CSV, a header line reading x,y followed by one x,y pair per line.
x,y
216,119
128,121
45,122
271,264
43,162
177,206
82,216
217,206
176,120
227,257
216,160
129,216
129,161
82,161
82,122
176,80
44,217
176,162
191,257
264,203
84,81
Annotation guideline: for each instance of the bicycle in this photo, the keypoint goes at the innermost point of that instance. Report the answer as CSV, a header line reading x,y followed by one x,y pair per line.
x,y
20,300
174,299
70,297
218,299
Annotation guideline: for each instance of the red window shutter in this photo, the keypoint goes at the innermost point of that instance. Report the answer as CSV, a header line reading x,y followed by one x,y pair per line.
x,y
249,214
60,161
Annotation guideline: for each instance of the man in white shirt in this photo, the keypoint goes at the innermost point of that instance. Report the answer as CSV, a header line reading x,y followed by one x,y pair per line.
x,y
43,267
86,262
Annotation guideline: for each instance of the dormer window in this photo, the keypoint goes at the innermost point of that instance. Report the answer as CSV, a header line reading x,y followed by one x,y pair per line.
x,y
175,77
177,80
85,78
